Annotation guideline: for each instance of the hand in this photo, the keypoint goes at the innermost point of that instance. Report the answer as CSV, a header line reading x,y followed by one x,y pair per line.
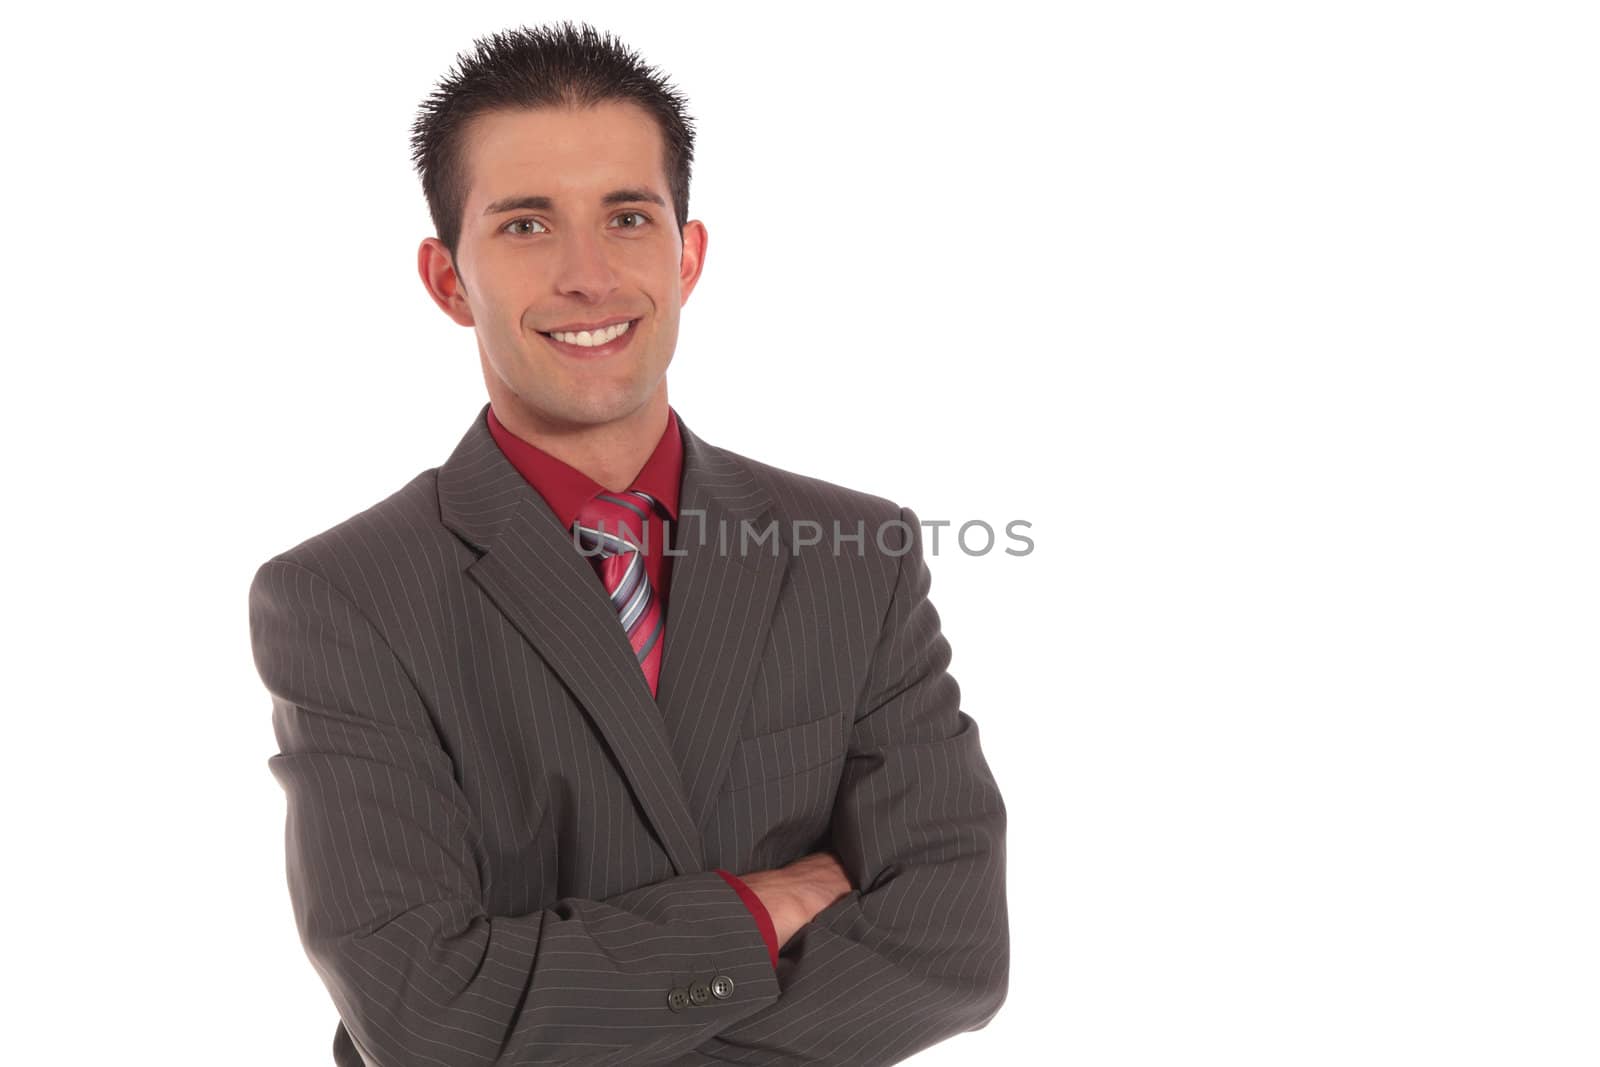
x,y
794,894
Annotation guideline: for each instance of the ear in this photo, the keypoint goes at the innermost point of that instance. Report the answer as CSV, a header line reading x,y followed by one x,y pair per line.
x,y
439,277
693,258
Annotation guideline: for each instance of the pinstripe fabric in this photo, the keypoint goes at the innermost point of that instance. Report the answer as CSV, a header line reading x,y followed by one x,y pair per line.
x,y
501,849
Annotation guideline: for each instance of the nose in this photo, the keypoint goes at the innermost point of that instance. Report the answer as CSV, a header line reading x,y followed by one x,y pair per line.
x,y
584,269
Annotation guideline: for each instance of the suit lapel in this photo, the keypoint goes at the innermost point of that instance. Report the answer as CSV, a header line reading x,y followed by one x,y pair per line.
x,y
532,572
719,604
672,750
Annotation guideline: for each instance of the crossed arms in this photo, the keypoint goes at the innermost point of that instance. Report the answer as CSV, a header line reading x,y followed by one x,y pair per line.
x,y
387,893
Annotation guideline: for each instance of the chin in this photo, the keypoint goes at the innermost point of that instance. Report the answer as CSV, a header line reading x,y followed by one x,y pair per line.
x,y
597,410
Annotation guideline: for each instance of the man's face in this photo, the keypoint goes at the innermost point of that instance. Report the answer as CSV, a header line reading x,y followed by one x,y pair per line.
x,y
568,226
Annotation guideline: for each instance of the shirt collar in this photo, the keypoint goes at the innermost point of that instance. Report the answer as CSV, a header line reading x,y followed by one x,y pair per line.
x,y
566,489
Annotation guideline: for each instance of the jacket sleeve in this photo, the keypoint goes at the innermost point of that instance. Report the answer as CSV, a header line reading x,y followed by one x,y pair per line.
x,y
758,912
920,950
386,888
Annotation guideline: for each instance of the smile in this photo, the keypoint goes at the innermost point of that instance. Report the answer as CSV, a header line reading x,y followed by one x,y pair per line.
x,y
592,338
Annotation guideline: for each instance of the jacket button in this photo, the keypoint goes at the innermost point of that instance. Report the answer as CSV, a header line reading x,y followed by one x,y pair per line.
x,y
699,993
677,1000
722,987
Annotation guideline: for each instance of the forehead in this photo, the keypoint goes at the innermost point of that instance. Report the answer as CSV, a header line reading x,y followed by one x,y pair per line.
x,y
563,152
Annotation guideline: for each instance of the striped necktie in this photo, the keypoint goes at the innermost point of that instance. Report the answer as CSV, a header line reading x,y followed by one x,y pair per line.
x,y
610,530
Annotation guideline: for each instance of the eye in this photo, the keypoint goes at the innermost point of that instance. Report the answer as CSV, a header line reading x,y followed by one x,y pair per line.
x,y
511,227
639,217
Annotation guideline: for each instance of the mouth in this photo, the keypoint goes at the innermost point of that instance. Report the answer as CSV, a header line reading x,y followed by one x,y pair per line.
x,y
593,343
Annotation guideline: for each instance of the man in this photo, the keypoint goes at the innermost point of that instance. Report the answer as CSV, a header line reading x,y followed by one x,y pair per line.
x,y
533,814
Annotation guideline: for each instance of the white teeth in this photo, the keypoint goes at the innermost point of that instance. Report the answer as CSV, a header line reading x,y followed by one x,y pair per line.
x,y
588,338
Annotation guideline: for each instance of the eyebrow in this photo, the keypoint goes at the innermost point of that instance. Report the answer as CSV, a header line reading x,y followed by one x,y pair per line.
x,y
544,203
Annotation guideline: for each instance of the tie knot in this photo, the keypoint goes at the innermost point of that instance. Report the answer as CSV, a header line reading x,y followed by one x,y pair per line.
x,y
614,522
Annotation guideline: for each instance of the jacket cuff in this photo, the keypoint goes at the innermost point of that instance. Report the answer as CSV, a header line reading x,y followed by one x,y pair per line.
x,y
769,932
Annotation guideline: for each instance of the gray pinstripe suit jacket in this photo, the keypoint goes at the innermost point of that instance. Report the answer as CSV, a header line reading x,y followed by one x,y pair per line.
x,y
501,848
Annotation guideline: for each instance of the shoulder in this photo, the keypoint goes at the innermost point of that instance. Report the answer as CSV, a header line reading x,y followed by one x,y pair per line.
x,y
796,495
390,541
833,529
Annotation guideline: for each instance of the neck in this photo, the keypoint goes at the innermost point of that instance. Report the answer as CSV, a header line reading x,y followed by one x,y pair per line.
x,y
612,453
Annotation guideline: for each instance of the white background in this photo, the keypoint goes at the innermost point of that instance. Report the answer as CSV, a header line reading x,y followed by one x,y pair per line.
x,y
1277,321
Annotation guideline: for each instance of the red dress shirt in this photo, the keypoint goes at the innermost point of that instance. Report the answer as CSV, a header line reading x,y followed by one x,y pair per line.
x,y
565,489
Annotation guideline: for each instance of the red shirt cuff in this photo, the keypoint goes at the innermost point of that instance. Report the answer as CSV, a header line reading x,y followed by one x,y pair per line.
x,y
769,933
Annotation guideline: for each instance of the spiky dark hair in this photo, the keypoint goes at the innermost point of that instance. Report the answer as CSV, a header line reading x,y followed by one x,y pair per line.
x,y
546,66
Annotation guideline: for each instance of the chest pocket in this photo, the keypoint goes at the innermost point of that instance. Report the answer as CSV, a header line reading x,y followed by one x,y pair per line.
x,y
784,753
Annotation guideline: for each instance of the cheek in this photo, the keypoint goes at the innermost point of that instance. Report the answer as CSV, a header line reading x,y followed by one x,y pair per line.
x,y
502,331
506,312
666,330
